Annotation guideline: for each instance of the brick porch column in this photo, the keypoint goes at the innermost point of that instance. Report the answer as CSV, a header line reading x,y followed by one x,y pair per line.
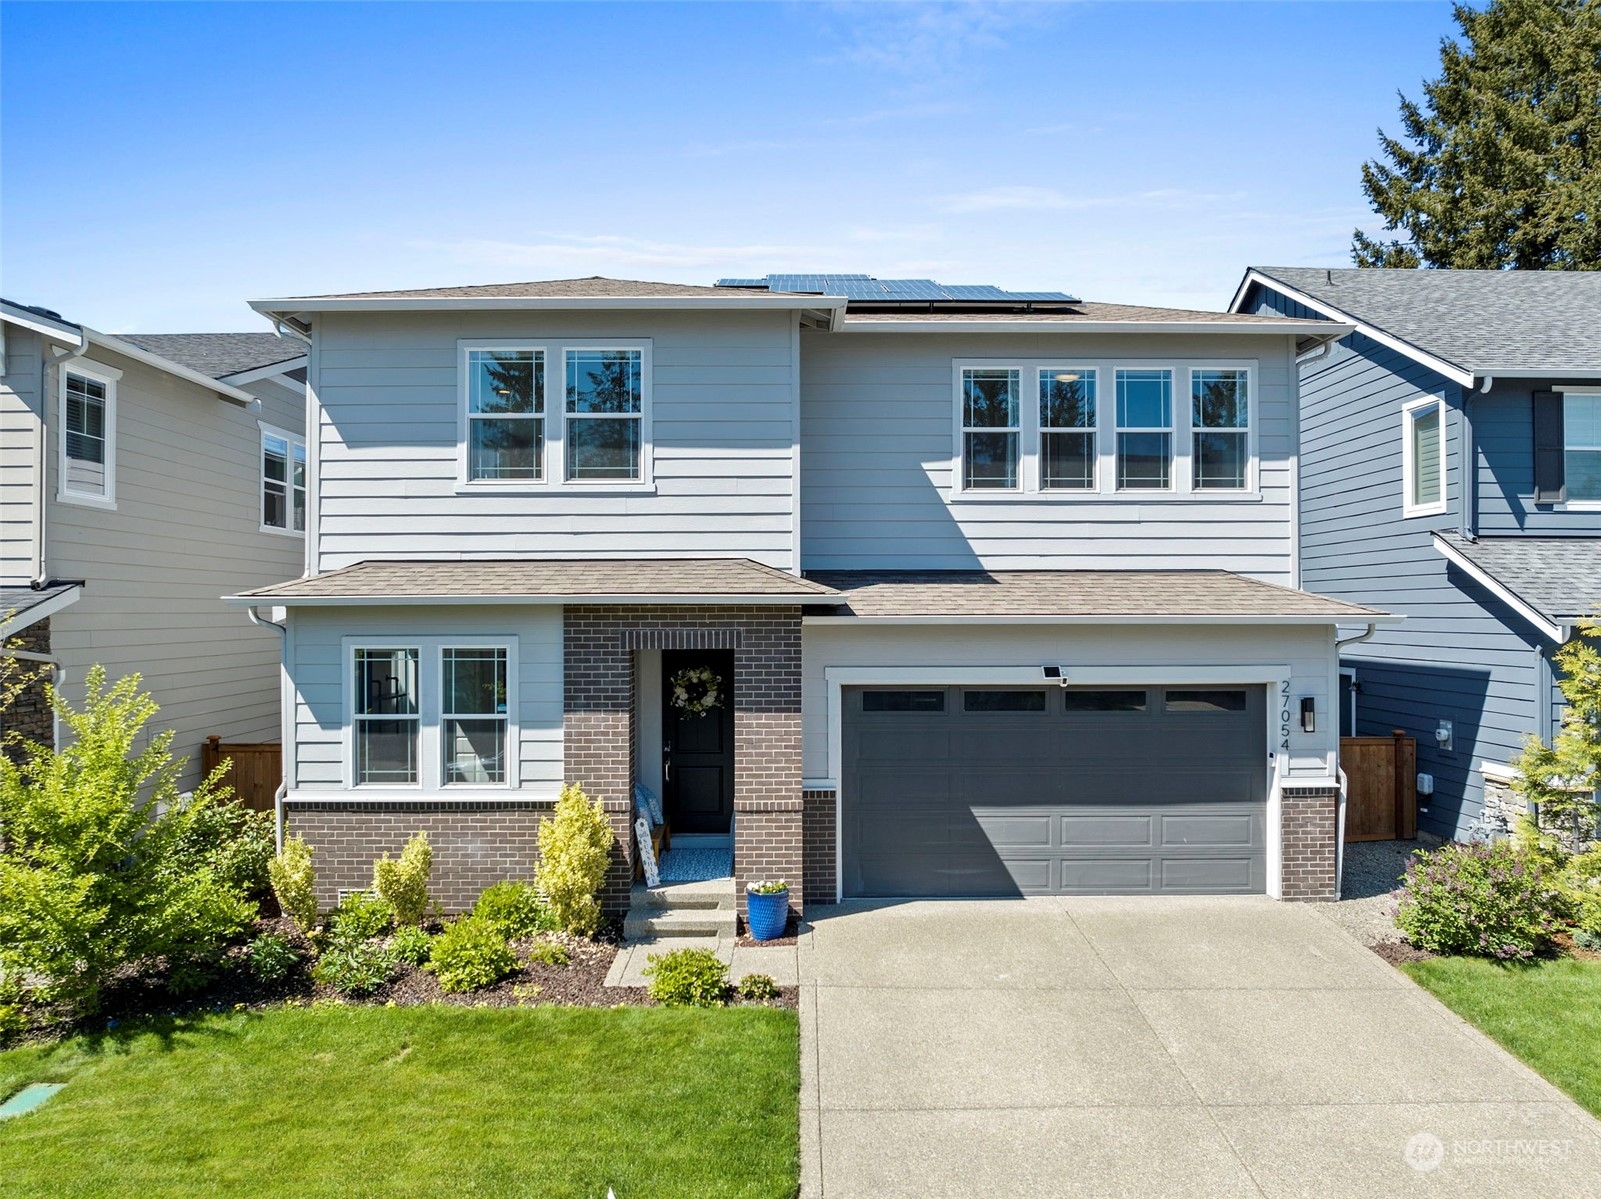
x,y
1309,834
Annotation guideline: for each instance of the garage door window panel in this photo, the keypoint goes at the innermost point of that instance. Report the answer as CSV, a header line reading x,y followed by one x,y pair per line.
x,y
1003,701
1103,701
1206,701
903,701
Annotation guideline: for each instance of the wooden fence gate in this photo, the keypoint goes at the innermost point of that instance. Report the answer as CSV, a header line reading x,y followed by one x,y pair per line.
x,y
1381,801
254,771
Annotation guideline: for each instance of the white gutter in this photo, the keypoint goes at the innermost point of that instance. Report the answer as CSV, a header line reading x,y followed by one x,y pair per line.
x,y
1339,838
1118,619
1339,645
278,309
348,601
1070,325
1495,587
283,719
128,350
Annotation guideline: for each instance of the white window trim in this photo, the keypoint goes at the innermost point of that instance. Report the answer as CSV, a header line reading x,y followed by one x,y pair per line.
x,y
1021,429
1409,412
1577,505
1178,474
553,473
430,748
294,439
1252,460
1030,467
1036,453
107,377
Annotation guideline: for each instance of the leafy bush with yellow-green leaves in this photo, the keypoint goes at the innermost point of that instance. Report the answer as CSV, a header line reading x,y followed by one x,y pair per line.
x,y
403,884
575,846
470,954
294,882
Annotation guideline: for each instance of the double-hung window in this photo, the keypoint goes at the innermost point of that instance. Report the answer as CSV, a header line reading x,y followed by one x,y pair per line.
x,y
473,719
991,428
283,481
505,415
387,717
88,423
1067,428
1144,429
604,415
1220,434
1423,457
1581,446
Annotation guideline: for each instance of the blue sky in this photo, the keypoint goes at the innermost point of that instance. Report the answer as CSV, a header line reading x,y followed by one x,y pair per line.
x,y
164,163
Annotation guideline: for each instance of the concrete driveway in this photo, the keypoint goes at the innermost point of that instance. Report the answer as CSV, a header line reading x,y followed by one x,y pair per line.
x,y
1152,1047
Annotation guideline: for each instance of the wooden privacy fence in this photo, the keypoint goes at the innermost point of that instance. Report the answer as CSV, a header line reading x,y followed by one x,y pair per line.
x,y
254,770
1381,801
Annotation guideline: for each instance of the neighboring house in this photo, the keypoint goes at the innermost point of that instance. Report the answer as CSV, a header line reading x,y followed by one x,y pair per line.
x,y
1451,472
143,477
1002,586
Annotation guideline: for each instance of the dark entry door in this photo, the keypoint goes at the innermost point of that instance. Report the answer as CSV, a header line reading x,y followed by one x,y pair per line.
x,y
698,748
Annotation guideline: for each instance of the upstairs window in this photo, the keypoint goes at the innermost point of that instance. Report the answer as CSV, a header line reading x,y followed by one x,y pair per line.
x,y
88,426
1220,429
991,428
1423,457
605,412
1144,430
283,481
505,415
1581,447
1067,429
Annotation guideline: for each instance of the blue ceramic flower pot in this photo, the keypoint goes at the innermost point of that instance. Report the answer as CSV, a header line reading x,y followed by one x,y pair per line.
x,y
766,915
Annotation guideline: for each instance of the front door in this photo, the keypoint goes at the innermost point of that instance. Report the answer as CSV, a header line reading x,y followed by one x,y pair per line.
x,y
698,747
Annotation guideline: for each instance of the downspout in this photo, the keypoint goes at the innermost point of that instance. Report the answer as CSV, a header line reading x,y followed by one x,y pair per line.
x,y
260,621
58,676
41,461
1468,522
1339,817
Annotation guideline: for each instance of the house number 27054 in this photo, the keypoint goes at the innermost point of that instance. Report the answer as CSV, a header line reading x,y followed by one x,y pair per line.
x,y
1284,715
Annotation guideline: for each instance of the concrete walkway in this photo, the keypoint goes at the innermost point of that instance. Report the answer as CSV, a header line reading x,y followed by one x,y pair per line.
x,y
1152,1047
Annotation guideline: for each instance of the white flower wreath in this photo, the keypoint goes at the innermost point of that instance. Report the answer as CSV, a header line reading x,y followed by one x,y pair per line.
x,y
696,690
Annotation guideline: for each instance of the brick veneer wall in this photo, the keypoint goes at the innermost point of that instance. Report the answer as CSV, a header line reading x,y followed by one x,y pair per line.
x,y
475,844
29,715
821,838
1309,822
599,733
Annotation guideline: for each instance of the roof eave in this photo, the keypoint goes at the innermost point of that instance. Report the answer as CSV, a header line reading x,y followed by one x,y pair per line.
x,y
1551,627
55,330
271,370
790,599
17,620
288,309
1291,618
128,350
1093,326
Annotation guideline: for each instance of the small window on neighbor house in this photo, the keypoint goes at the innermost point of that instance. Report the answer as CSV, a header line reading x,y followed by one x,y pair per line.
x,y
992,428
1144,429
283,481
1221,429
1003,701
1423,457
1206,701
1581,446
386,719
604,414
505,415
903,701
88,436
474,717
1067,429
1104,701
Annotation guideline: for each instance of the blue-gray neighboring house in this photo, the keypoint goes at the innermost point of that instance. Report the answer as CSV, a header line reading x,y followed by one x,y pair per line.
x,y
1450,470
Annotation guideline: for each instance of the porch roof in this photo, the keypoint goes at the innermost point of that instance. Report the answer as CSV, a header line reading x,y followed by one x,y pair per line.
x,y
1098,596
547,581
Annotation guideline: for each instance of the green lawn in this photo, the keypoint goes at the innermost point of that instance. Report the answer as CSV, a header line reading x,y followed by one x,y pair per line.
x,y
366,1101
1547,1013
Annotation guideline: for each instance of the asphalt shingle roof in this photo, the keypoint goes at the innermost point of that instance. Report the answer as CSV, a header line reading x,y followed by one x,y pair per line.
x,y
1139,594
1558,576
16,601
533,579
595,286
218,355
1481,321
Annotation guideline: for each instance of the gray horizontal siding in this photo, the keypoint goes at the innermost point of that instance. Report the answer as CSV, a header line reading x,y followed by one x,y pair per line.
x,y
877,421
722,428
1503,425
21,409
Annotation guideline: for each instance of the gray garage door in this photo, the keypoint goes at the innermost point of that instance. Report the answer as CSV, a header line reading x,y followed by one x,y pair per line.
x,y
1007,791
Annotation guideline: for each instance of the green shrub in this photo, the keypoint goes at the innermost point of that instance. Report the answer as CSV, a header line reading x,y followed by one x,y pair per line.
x,y
104,863
1485,900
757,987
294,883
515,909
354,967
271,957
410,945
1585,939
470,954
549,953
404,884
1581,884
687,978
235,842
13,1020
574,849
360,916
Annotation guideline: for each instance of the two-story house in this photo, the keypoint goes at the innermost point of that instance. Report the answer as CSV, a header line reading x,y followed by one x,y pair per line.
x,y
1451,472
891,588
140,477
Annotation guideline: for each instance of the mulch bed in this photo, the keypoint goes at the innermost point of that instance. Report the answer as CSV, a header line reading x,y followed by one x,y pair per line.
x,y
1398,952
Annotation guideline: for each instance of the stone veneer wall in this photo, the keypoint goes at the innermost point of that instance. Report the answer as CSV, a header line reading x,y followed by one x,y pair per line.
x,y
821,840
1310,829
29,715
599,733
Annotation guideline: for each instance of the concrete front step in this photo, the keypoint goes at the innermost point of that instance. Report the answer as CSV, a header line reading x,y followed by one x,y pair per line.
x,y
679,922
714,893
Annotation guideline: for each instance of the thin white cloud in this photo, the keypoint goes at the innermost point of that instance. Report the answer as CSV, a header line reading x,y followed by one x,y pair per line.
x,y
1046,199
922,41
995,199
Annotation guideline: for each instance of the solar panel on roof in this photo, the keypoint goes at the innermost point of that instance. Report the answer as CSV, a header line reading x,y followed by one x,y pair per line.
x,y
865,288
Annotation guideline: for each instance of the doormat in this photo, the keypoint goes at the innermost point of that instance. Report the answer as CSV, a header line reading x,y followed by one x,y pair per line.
x,y
696,865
